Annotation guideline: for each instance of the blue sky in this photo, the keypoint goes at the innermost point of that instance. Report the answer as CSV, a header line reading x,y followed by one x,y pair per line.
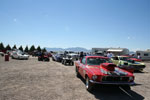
x,y
76,23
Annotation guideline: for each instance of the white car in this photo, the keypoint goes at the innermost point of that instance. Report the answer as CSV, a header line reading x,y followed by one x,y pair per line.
x,y
19,55
1,53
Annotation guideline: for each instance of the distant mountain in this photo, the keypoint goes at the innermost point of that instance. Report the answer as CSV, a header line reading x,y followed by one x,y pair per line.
x,y
54,49
75,49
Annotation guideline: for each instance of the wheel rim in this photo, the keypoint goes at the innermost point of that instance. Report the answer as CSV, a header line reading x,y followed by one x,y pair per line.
x,y
87,82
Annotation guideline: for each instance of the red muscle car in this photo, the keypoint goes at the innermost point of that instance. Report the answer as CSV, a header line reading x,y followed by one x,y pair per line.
x,y
100,70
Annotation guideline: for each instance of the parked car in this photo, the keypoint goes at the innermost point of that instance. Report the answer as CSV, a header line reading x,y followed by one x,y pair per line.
x,y
57,57
1,53
69,59
126,63
19,55
100,70
133,58
43,58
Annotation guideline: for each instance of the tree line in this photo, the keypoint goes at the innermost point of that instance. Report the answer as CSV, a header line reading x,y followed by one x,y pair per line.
x,y
27,49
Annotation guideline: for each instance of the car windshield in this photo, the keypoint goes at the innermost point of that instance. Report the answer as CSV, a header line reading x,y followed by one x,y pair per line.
x,y
124,58
97,61
20,52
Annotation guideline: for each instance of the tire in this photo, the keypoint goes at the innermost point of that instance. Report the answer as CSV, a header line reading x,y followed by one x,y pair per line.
x,y
65,63
88,85
127,87
62,61
77,72
12,57
72,63
141,70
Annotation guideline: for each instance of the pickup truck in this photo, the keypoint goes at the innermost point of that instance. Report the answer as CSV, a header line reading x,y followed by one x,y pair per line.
x,y
100,70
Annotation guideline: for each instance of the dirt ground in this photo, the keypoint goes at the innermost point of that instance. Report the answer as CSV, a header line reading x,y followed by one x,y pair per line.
x,y
34,80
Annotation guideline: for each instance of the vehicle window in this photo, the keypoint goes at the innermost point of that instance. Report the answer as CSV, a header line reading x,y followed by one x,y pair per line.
x,y
124,58
145,54
97,61
138,53
83,60
115,58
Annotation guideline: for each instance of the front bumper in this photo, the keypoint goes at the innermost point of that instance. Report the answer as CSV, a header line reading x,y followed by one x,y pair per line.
x,y
23,57
113,83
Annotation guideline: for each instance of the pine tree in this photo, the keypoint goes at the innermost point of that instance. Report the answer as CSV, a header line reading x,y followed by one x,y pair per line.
x,y
32,48
20,48
39,48
26,49
14,47
8,47
1,46
43,50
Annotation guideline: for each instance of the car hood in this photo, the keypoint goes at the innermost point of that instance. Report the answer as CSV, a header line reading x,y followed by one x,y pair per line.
x,y
94,69
132,63
101,70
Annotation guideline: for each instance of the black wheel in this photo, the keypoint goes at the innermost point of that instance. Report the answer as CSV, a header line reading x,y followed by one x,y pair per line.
x,y
88,85
127,87
65,63
77,72
72,63
141,70
47,59
62,61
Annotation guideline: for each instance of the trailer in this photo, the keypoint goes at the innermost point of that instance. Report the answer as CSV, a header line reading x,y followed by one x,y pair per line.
x,y
144,55
115,51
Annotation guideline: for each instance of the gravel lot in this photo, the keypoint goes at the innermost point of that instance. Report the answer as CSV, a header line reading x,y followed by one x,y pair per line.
x,y
34,80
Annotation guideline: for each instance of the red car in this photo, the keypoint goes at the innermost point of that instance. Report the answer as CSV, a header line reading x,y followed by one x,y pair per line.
x,y
100,70
133,58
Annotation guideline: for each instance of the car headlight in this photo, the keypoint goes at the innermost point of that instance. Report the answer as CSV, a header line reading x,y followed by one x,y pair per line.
x,y
94,77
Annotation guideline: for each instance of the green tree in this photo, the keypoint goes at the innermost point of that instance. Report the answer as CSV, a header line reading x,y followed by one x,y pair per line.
x,y
1,46
21,48
14,47
44,50
39,48
26,49
32,48
8,47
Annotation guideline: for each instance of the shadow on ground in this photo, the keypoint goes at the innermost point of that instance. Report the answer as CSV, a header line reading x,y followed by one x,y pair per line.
x,y
103,92
115,93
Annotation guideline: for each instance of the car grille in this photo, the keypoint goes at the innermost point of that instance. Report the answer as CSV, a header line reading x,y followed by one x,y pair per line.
x,y
115,79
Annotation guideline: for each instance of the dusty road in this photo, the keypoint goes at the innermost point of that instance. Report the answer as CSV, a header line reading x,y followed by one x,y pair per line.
x,y
33,80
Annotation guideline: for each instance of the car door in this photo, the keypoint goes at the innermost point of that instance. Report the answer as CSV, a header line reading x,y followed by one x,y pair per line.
x,y
115,60
82,66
